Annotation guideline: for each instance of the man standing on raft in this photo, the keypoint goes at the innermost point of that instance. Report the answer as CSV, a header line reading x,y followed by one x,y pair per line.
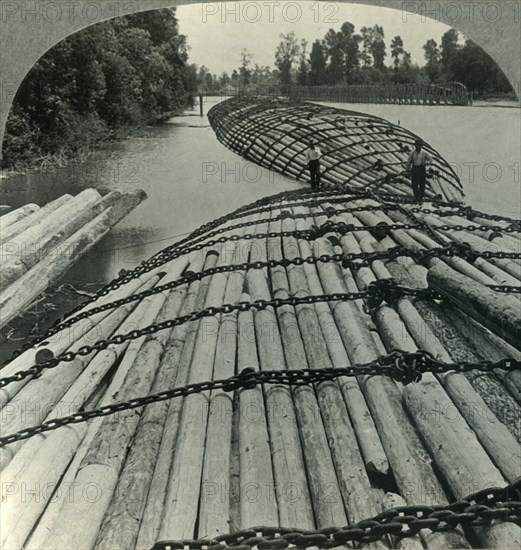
x,y
313,155
417,167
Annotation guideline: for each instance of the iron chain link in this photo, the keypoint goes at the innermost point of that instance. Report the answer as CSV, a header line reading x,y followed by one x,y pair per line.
x,y
400,366
479,509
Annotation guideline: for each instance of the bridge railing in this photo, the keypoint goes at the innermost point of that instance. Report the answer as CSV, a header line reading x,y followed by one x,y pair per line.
x,y
450,93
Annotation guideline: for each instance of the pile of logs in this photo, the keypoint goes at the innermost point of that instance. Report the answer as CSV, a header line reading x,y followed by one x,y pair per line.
x,y
359,151
38,245
304,456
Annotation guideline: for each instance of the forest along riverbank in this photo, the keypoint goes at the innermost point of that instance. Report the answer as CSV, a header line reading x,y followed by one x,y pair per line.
x,y
481,144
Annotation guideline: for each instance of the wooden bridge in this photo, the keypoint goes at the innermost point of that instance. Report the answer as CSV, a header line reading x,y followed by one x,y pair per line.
x,y
450,93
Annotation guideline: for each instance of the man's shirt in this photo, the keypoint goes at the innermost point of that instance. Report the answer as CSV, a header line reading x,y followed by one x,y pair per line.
x,y
313,154
418,159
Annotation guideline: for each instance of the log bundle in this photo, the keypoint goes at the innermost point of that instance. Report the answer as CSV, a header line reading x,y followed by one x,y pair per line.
x,y
306,456
359,151
38,245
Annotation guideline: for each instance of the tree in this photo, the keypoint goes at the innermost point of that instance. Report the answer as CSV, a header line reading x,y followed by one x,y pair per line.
x,y
349,43
365,56
478,71
244,71
335,57
286,54
377,46
433,58
224,80
235,78
303,70
397,51
123,72
317,64
449,48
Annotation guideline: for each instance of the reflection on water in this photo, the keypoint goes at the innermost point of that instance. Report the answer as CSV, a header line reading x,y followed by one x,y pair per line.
x,y
190,179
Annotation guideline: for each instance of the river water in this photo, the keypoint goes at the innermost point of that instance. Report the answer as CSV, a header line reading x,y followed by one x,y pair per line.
x,y
190,178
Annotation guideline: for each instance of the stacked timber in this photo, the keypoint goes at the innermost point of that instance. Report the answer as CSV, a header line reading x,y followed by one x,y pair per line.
x,y
38,245
279,285
359,151
312,456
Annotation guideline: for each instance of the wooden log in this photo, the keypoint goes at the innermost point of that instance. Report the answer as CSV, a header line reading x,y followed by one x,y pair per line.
x,y
33,219
390,501
122,519
488,345
23,251
215,505
186,475
482,343
256,478
443,437
79,394
79,211
506,272
363,505
9,218
371,448
498,313
22,293
322,478
286,451
494,436
182,502
179,353
411,464
54,383
415,240
66,440
107,452
59,342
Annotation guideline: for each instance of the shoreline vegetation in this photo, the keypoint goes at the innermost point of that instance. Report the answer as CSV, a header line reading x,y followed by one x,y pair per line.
x,y
112,80
99,85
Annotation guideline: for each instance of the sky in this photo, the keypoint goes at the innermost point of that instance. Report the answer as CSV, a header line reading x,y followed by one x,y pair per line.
x,y
217,32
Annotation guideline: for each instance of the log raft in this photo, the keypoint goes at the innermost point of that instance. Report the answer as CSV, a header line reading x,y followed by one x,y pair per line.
x,y
313,456
38,245
359,151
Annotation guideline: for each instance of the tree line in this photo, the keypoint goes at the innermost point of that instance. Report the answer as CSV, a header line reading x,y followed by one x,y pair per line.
x,y
350,57
134,70
115,75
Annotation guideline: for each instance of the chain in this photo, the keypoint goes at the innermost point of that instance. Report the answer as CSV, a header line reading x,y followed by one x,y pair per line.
x,y
376,292
505,288
401,366
268,204
351,261
479,509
